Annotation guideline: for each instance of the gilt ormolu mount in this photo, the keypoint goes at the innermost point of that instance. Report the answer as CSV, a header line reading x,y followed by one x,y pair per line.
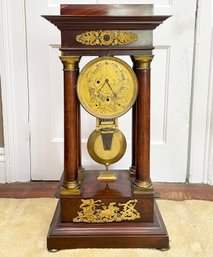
x,y
114,208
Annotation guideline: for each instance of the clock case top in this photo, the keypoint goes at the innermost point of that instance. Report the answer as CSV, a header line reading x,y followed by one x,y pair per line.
x,y
77,19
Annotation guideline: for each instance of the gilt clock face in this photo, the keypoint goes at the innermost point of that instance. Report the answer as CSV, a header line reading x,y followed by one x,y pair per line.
x,y
107,87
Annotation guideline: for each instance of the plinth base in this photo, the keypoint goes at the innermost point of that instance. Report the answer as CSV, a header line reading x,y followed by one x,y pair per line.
x,y
65,235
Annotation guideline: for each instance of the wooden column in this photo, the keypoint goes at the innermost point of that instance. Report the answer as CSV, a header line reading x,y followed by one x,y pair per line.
x,y
79,166
142,118
71,122
134,138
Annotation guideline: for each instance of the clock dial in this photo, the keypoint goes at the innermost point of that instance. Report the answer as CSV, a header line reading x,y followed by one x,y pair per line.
x,y
107,87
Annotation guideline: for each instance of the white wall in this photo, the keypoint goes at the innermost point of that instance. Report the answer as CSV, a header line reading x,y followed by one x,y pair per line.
x,y
200,146
13,68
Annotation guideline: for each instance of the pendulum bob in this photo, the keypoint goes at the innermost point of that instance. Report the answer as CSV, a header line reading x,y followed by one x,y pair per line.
x,y
106,146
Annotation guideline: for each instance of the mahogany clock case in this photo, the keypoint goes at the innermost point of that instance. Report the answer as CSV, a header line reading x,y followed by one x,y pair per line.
x,y
118,30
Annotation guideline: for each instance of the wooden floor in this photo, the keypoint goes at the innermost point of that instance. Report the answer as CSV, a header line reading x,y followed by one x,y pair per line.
x,y
169,191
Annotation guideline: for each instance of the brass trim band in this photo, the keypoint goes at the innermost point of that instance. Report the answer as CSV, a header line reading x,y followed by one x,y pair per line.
x,y
142,62
70,62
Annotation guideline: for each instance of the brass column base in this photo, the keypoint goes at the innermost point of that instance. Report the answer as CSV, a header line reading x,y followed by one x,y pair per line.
x,y
70,188
132,170
143,186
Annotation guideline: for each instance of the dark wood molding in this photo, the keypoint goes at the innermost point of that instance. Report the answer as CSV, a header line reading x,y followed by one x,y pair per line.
x,y
134,17
91,22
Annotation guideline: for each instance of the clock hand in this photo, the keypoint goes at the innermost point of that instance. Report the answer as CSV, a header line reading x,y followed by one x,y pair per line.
x,y
107,81
101,87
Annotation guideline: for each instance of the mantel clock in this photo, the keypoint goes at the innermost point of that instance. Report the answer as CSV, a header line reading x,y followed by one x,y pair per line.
x,y
107,208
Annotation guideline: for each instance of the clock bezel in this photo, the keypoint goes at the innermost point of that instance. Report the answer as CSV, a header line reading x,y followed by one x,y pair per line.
x,y
80,84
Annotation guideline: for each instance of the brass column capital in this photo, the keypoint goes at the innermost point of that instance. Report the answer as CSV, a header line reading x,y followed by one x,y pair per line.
x,y
142,62
70,62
